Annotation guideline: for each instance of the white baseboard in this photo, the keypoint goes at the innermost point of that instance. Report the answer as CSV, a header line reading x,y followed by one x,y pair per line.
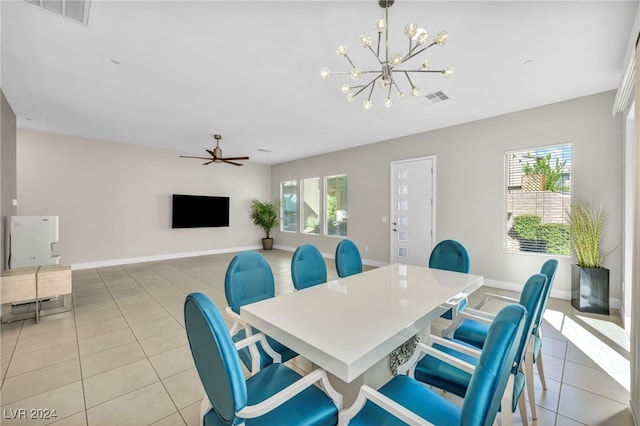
x,y
115,262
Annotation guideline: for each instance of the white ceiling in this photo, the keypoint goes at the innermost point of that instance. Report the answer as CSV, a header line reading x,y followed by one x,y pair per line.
x,y
251,70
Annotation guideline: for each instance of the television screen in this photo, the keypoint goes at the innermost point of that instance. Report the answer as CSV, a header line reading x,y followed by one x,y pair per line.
x,y
199,211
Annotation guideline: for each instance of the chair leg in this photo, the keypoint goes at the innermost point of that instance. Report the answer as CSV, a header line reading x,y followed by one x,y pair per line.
x,y
528,372
541,371
522,406
506,416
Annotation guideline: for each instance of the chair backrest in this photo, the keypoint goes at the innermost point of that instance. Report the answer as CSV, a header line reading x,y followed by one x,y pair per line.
x,y
489,380
548,269
348,260
215,357
308,267
450,255
248,279
531,298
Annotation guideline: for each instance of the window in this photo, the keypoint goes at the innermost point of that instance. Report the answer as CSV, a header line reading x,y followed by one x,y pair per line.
x,y
538,200
336,205
289,206
311,206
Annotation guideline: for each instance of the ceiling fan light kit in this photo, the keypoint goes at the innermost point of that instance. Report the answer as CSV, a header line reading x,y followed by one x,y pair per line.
x,y
216,155
387,76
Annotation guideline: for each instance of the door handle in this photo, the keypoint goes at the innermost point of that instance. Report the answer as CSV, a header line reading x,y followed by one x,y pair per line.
x,y
394,229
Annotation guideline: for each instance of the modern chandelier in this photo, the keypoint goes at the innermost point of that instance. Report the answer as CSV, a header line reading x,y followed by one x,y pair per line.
x,y
389,77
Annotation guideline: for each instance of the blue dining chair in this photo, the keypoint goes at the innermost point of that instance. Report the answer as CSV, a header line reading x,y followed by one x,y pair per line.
x,y
307,267
534,350
452,256
348,260
404,400
274,395
249,279
434,369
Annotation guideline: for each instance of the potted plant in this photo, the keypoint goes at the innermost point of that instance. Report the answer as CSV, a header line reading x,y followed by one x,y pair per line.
x,y
589,280
265,215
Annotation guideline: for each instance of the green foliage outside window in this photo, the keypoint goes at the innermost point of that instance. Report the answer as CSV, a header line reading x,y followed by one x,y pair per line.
x,y
542,166
555,235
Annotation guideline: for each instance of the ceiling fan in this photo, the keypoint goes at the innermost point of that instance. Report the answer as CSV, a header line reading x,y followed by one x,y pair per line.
x,y
216,155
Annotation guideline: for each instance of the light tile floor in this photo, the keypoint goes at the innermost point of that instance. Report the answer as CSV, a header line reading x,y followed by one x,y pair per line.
x,y
121,357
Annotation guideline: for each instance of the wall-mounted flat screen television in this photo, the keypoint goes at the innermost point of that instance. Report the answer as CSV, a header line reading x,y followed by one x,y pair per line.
x,y
199,211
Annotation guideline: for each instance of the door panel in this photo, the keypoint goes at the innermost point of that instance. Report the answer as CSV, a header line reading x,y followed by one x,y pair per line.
x,y
412,211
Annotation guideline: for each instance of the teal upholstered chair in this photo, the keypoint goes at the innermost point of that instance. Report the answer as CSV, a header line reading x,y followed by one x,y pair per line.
x,y
249,279
404,400
348,260
534,350
434,370
261,399
308,267
452,256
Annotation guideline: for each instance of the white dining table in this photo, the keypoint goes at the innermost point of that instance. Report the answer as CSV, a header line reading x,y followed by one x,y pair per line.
x,y
350,325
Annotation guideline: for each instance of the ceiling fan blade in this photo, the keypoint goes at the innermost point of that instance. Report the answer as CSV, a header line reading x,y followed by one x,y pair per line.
x,y
211,153
231,162
200,158
207,163
234,158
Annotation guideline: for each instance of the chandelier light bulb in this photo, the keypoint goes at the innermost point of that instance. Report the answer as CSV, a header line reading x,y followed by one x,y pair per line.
x,y
422,38
356,73
342,50
395,60
383,83
346,89
402,94
447,72
388,102
380,25
351,97
442,38
425,65
415,91
364,40
367,104
325,73
411,30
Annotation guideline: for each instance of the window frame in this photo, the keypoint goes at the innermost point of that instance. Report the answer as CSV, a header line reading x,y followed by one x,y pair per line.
x,y
326,206
509,235
302,208
282,206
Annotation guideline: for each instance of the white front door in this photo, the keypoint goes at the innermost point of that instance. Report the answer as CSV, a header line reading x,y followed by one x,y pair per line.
x,y
412,210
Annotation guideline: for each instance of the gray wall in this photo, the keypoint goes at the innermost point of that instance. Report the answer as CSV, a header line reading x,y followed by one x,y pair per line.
x,y
114,200
469,184
8,189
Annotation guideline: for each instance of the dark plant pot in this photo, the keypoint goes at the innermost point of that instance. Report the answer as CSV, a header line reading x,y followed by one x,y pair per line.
x,y
590,289
267,243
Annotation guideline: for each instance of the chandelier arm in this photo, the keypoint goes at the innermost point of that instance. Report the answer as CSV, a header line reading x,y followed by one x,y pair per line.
x,y
411,55
349,59
374,54
434,71
365,86
378,47
372,86
408,78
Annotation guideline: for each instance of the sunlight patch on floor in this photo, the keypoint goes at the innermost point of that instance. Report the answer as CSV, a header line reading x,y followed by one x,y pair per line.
x,y
612,362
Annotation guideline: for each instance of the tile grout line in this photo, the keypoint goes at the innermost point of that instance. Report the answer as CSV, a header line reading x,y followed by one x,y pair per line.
x,y
138,341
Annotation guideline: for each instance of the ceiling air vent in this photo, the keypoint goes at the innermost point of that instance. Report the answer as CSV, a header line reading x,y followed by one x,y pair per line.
x,y
433,98
75,10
